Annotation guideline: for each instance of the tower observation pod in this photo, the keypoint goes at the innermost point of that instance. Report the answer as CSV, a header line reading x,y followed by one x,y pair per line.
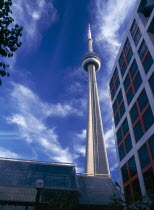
x,y
96,156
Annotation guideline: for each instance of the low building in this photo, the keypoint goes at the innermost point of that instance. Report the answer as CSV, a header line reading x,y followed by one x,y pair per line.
x,y
18,178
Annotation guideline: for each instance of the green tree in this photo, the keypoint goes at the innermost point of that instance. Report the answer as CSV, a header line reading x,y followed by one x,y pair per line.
x,y
9,36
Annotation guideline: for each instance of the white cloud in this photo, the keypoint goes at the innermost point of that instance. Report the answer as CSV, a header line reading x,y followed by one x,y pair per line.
x,y
110,19
30,114
109,140
7,153
80,149
34,16
81,135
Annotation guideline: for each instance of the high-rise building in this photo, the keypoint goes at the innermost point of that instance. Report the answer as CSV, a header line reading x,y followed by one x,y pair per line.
x,y
132,96
96,158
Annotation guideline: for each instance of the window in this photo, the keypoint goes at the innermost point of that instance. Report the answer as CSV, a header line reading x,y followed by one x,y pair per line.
x,y
151,82
121,152
124,171
134,114
124,139
145,56
151,143
125,57
138,132
141,116
132,82
114,83
137,37
119,135
125,127
135,32
149,181
144,156
128,143
148,118
118,108
127,193
142,100
136,190
132,166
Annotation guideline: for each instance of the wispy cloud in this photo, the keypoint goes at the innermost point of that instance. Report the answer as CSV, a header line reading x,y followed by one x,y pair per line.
x,y
7,153
111,16
34,16
30,114
80,143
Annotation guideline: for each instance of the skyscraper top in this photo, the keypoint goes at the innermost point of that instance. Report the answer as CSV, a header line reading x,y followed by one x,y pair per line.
x,y
89,33
90,40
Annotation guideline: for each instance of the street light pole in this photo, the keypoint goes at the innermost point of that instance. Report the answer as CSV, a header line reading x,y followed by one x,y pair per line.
x,y
39,185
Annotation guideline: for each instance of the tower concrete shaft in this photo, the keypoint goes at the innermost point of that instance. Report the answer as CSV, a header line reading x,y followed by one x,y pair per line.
x,y
96,157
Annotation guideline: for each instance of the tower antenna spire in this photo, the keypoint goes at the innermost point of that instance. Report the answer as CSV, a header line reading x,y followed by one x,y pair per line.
x,y
90,40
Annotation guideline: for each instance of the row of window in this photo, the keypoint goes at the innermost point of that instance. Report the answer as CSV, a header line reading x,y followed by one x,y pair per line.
x,y
142,119
132,82
129,170
114,83
125,57
135,32
141,115
118,108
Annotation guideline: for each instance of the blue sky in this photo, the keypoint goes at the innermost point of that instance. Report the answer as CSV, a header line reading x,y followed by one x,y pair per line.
x,y
44,101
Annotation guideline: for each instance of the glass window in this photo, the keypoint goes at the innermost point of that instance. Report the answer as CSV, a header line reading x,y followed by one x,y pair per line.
x,y
133,68
149,181
138,132
127,193
119,135
151,143
148,118
124,172
136,190
115,73
137,81
142,50
123,69
111,84
134,113
115,106
129,95
116,119
117,83
144,156
133,28
127,82
151,82
132,166
119,97
126,46
121,59
122,109
147,63
121,151
125,127
129,55
128,143
112,93
137,37
142,100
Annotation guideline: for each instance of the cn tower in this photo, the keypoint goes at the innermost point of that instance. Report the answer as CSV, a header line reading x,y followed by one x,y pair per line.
x,y
96,157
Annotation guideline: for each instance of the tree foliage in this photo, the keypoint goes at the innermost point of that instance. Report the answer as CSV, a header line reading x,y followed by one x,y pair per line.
x,y
9,35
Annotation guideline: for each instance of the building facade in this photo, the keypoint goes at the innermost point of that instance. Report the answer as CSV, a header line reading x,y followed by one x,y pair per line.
x,y
132,97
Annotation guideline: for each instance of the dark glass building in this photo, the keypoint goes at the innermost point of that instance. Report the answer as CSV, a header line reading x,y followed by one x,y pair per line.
x,y
18,179
132,94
